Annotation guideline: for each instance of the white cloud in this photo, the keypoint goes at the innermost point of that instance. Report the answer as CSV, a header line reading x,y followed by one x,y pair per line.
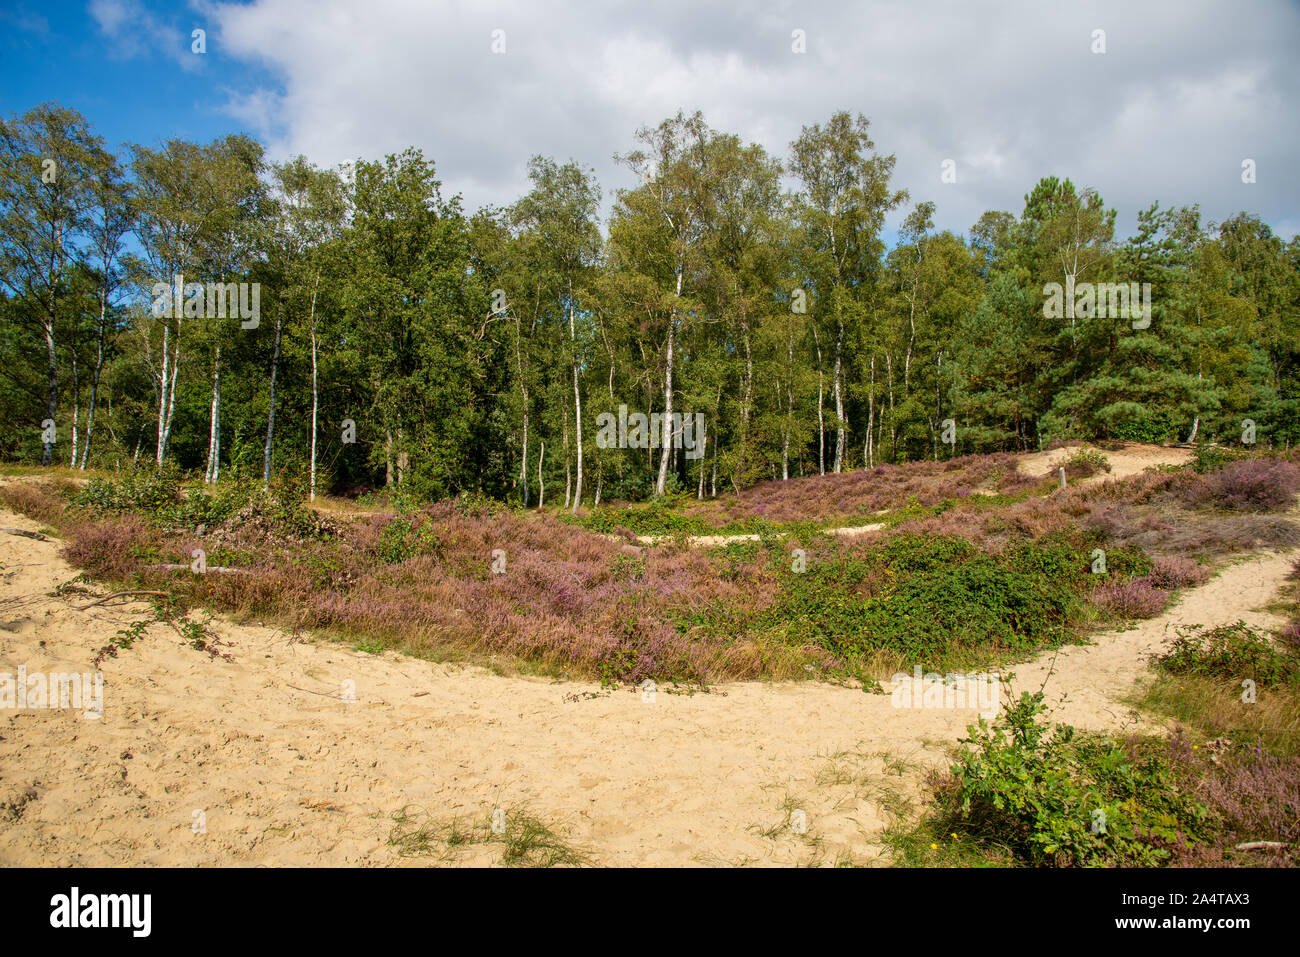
x,y
131,30
1011,92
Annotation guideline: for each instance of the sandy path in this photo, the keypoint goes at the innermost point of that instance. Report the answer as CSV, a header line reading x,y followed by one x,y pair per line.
x,y
711,541
1133,459
290,777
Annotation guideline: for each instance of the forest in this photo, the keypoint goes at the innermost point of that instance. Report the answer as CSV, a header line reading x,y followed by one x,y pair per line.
x,y
397,339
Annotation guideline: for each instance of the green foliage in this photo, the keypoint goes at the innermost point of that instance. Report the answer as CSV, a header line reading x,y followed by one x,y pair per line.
x,y
1212,458
1233,653
1084,462
386,314
1055,796
407,536
931,597
654,518
150,491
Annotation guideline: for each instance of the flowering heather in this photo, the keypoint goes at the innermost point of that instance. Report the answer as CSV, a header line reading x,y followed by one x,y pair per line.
x,y
1248,485
851,495
1138,598
1252,795
969,577
1172,572
33,502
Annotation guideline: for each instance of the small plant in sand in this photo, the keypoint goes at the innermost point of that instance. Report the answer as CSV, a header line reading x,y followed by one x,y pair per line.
x,y
1085,462
527,840
197,634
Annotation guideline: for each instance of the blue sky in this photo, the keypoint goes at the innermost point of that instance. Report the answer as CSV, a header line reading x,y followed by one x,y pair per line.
x,y
1013,91
144,86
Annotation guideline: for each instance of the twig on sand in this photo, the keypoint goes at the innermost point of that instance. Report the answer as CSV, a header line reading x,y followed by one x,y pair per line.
x,y
25,534
1260,845
118,594
172,567
325,694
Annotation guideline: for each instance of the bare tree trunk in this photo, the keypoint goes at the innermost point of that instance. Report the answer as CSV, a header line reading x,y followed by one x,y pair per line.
x,y
568,466
523,391
704,447
665,440
821,402
315,394
214,425
270,417
76,403
839,400
167,387
871,415
52,370
713,482
541,487
577,404
746,402
52,393
789,402
893,435
94,382
159,448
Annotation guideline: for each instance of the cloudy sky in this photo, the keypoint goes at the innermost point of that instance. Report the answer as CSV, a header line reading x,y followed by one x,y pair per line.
x,y
1010,91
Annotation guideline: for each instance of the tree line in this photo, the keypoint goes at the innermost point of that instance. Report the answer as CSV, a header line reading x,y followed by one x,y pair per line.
x,y
401,340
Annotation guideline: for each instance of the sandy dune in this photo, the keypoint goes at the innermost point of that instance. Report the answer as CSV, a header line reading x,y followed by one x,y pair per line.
x,y
1132,459
288,773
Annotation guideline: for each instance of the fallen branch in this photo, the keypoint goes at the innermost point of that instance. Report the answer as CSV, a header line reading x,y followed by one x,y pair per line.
x,y
171,567
25,534
118,594
1260,845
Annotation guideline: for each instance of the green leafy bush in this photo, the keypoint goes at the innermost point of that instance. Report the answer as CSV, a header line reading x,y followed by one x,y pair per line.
x,y
1056,796
161,496
1231,652
406,537
1085,462
1211,458
928,597
152,491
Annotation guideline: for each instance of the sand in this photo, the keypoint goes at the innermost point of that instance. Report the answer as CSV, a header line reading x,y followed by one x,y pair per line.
x,y
287,772
1132,459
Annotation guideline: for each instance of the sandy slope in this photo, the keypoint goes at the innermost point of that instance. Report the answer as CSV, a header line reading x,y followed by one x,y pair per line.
x,y
1132,459
288,773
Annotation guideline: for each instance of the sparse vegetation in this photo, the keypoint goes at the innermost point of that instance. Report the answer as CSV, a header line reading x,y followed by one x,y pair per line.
x,y
526,840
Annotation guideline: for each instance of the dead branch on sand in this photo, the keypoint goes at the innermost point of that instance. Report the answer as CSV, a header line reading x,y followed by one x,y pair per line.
x,y
118,594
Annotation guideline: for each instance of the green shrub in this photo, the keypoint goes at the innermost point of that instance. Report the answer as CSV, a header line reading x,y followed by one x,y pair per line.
x,y
405,537
1211,458
1085,462
1055,796
160,495
1230,652
151,491
930,598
